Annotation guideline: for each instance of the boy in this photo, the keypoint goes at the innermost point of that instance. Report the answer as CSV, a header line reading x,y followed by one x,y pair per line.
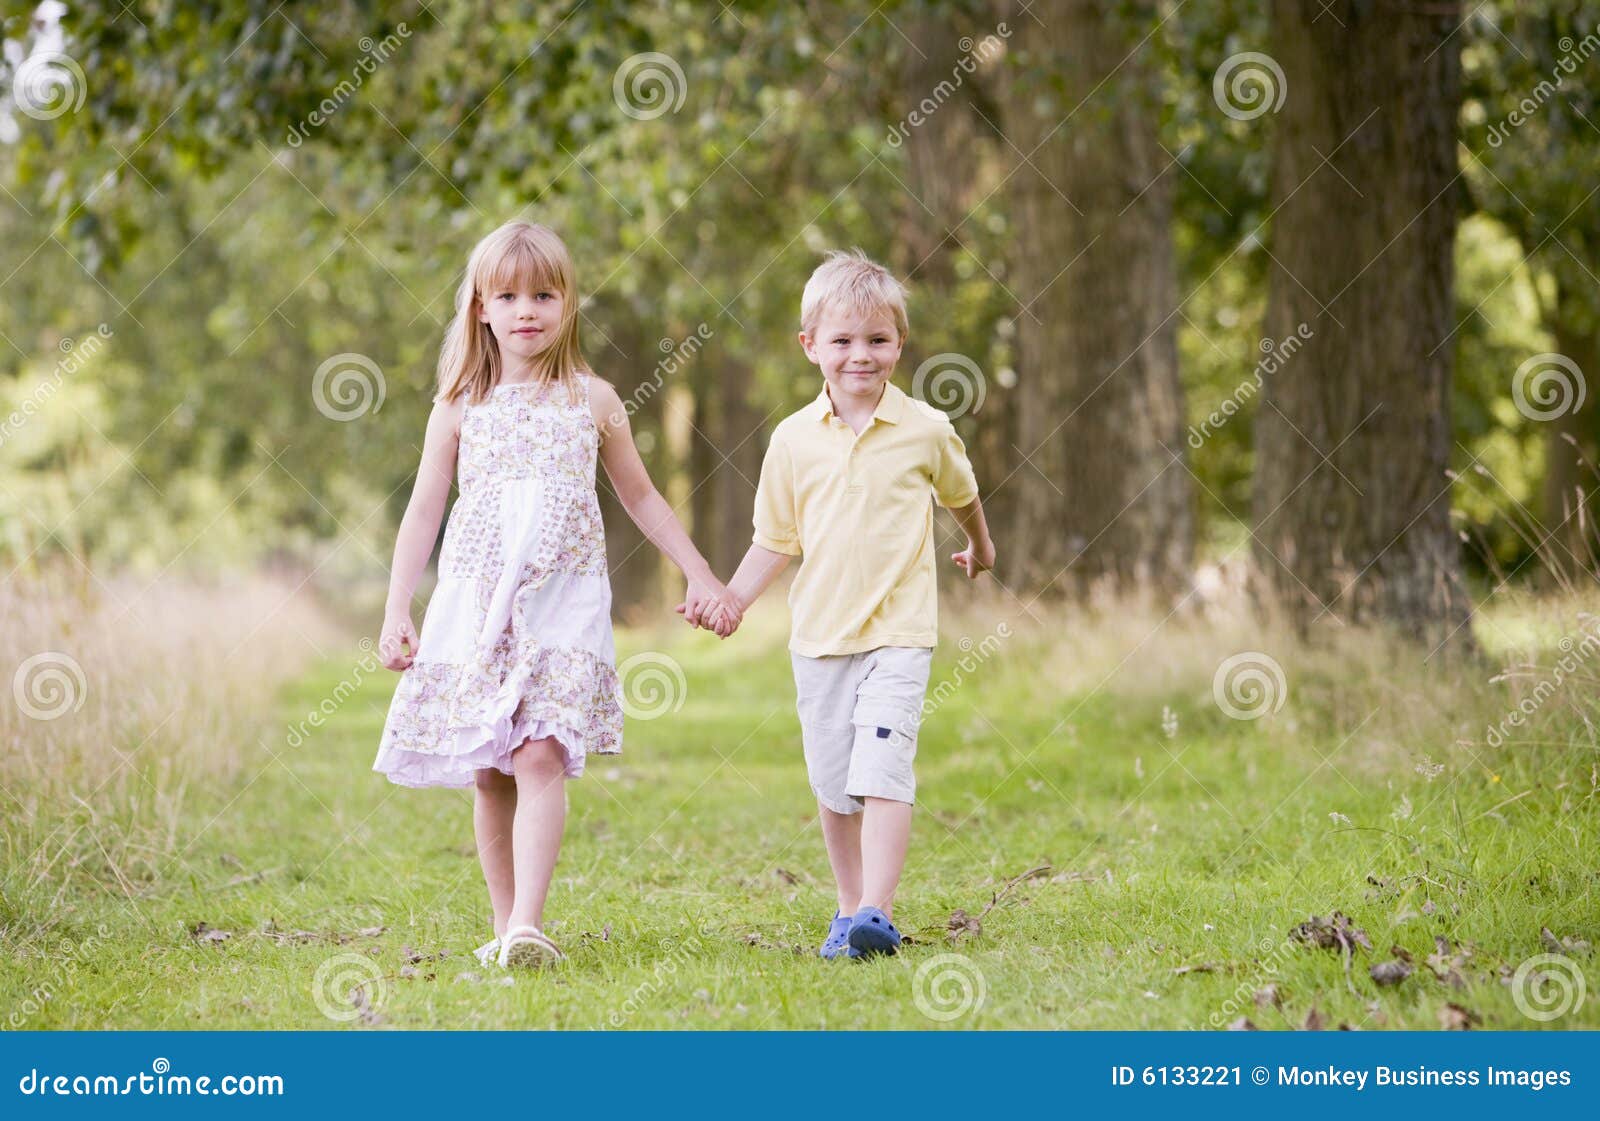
x,y
845,485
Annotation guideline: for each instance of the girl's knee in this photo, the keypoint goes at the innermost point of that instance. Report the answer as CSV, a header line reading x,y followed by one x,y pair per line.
x,y
492,780
541,759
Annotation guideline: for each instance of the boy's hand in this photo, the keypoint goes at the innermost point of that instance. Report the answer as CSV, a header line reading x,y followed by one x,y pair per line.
x,y
724,619
397,644
975,558
705,600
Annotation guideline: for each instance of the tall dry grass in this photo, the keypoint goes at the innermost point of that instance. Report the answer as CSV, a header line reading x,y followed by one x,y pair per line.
x,y
123,699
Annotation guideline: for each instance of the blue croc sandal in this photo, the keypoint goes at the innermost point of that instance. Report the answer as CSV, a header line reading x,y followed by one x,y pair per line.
x,y
838,940
871,932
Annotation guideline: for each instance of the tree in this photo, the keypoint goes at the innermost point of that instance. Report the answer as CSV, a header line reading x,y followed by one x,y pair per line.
x,y
1102,494
1353,439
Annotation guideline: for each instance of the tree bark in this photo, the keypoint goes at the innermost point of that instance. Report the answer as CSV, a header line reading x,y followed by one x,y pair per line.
x,y
1101,495
1353,438
1568,504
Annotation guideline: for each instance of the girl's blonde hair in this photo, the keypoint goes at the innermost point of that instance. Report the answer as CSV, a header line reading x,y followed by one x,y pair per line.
x,y
516,257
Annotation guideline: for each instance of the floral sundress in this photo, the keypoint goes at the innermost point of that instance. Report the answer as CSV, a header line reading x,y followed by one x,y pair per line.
x,y
516,640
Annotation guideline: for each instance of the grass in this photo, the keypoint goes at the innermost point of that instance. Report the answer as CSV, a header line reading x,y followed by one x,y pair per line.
x,y
1129,855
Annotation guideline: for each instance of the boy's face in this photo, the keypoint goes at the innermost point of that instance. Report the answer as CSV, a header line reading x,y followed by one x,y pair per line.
x,y
524,323
857,354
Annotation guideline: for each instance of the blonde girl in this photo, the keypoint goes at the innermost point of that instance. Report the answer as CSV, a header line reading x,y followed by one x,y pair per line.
x,y
513,683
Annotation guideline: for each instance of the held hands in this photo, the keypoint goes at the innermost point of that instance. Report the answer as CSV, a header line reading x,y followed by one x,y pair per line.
x,y
397,644
709,605
975,558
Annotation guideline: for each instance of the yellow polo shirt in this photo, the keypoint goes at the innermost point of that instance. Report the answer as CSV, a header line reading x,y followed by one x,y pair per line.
x,y
858,511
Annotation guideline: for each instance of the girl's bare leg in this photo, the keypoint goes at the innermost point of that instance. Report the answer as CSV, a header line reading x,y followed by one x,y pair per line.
x,y
541,815
494,806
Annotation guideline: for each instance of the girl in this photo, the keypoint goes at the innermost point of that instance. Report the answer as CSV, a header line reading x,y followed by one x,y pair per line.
x,y
513,683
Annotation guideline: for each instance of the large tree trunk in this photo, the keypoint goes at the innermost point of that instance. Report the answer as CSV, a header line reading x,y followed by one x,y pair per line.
x,y
1569,505
1362,262
1101,493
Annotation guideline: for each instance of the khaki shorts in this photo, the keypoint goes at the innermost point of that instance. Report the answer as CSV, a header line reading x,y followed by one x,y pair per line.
x,y
859,715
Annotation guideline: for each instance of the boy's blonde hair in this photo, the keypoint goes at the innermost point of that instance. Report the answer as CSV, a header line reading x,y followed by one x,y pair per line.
x,y
855,284
517,256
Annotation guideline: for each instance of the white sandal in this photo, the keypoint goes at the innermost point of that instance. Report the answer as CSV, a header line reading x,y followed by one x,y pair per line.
x,y
489,953
526,947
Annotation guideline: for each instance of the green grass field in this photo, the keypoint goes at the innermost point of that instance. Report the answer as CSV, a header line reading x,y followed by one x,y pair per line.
x,y
1098,845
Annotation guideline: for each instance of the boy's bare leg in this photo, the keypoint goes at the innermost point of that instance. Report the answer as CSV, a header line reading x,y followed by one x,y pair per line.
x,y
842,835
885,833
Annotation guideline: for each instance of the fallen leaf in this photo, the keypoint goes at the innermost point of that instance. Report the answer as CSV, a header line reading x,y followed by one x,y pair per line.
x,y
1242,1024
1269,996
1453,1017
1314,1021
205,932
960,923
1389,972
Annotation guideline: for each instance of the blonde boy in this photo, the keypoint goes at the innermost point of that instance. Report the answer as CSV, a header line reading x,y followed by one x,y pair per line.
x,y
845,486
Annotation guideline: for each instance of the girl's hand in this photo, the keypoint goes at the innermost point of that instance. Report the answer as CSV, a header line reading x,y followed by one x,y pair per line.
x,y
702,599
397,645
975,558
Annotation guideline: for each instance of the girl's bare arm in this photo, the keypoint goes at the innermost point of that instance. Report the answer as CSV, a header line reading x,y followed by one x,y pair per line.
x,y
649,511
419,529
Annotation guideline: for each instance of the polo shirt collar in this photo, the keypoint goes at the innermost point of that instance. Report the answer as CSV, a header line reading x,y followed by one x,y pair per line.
x,y
891,406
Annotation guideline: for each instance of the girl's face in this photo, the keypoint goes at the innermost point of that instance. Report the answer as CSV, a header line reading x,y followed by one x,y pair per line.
x,y
524,322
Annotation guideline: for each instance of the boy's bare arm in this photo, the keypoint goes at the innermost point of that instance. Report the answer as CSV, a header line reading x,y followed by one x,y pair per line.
x,y
978,556
759,569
